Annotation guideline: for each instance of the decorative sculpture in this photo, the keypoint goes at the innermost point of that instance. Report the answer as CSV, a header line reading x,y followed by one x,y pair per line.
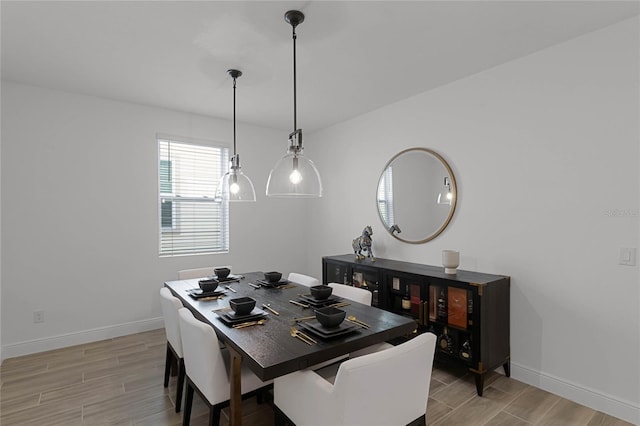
x,y
363,243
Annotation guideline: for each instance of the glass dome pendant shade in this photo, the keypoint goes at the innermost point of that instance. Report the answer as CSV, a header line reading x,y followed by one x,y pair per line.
x,y
445,196
294,175
235,185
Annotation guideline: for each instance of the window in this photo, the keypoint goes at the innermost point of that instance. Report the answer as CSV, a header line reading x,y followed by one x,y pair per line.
x,y
385,196
191,220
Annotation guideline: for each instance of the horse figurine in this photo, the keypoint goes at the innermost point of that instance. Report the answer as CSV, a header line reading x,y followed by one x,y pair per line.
x,y
363,242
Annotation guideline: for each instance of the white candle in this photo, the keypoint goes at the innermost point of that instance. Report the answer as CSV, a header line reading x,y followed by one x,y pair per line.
x,y
450,261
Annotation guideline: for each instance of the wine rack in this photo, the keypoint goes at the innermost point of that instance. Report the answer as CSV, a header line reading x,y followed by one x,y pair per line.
x,y
468,312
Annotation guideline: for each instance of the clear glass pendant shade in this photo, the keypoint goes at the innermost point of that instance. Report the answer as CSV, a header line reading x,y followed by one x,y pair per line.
x,y
446,195
235,185
294,175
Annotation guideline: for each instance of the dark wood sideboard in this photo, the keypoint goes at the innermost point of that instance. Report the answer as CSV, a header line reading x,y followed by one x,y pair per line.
x,y
468,312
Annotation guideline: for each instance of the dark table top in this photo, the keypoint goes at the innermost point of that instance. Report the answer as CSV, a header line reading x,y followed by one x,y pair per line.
x,y
269,350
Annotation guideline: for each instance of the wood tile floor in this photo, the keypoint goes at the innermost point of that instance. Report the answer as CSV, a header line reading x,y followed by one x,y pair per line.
x,y
119,382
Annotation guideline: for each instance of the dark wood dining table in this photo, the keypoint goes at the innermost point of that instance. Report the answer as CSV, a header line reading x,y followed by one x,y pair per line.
x,y
269,350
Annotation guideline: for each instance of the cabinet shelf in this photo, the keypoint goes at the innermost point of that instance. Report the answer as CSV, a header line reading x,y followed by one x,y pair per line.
x,y
481,301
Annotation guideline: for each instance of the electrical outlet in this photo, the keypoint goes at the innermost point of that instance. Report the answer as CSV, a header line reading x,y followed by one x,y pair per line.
x,y
627,256
38,316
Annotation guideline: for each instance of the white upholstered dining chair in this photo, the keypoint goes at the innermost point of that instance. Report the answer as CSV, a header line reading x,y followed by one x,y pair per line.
x,y
363,296
350,292
302,279
208,369
170,305
389,387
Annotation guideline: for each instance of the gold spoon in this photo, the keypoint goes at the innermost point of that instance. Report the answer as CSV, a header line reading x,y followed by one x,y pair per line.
x,y
357,321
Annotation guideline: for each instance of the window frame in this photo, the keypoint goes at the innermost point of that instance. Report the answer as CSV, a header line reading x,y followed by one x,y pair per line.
x,y
169,238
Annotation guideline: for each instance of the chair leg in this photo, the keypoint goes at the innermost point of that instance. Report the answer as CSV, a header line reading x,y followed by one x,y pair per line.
x,y
214,415
181,374
420,421
279,418
188,402
167,366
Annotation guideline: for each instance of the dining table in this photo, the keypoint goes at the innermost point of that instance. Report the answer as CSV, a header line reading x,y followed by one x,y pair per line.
x,y
268,348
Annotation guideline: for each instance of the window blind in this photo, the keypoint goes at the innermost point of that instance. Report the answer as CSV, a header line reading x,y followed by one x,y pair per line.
x,y
191,220
385,196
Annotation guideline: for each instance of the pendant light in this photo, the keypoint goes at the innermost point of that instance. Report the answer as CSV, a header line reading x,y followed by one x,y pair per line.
x,y
235,185
445,196
294,175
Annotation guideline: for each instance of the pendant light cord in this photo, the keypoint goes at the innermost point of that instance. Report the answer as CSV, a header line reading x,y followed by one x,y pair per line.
x,y
295,106
234,116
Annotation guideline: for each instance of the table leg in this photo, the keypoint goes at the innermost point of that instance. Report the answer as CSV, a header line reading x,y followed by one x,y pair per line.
x,y
235,400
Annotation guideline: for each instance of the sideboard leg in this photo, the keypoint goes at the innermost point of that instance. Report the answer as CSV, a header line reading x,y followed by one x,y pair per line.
x,y
479,383
507,368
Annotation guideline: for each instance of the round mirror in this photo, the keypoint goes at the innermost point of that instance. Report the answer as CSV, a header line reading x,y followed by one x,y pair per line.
x,y
416,195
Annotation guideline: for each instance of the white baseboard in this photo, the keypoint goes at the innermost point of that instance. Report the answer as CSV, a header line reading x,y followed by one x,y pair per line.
x,y
625,410
77,338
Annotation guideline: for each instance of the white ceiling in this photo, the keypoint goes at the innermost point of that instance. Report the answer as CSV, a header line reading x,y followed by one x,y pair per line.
x,y
353,56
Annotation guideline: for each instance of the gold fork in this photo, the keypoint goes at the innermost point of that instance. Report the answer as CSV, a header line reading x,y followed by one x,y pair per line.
x,y
301,336
249,324
305,335
354,320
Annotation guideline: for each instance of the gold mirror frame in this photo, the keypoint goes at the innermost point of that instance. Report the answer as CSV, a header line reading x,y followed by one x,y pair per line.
x,y
445,222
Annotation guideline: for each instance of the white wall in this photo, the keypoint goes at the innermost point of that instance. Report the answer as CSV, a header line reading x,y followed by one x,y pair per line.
x,y
80,219
545,151
0,236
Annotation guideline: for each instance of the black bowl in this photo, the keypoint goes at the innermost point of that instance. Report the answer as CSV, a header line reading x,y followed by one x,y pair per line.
x,y
330,317
208,285
273,277
321,292
222,273
242,305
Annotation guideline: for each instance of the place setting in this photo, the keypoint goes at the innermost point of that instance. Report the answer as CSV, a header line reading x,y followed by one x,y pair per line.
x,y
319,296
242,313
274,280
208,290
328,322
224,276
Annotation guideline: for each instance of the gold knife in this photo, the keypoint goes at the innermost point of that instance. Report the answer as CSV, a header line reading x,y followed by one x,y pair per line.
x,y
206,299
304,318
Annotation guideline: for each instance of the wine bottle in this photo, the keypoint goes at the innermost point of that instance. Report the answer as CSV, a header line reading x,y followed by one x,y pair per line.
x,y
445,342
465,350
406,301
442,305
433,311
